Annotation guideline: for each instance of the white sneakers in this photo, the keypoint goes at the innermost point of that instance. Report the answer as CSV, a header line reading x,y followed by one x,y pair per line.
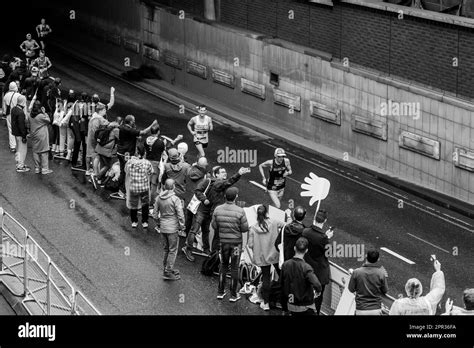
x,y
265,306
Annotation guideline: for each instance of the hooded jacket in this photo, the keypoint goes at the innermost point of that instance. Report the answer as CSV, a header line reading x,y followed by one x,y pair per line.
x,y
262,243
171,212
293,231
194,177
178,172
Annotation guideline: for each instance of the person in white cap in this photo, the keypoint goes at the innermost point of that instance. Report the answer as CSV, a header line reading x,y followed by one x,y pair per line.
x,y
415,304
9,101
183,150
279,169
199,126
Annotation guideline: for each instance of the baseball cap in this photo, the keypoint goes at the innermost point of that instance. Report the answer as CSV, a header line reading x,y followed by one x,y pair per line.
x,y
173,155
279,152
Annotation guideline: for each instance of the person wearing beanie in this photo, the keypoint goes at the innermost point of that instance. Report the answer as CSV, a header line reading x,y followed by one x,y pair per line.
x,y
178,171
229,222
415,303
20,131
9,101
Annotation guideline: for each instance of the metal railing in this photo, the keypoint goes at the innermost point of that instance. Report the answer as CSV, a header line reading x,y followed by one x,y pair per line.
x,y
27,271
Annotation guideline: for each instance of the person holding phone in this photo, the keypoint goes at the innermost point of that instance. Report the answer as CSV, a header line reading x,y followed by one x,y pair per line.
x,y
316,255
414,303
211,194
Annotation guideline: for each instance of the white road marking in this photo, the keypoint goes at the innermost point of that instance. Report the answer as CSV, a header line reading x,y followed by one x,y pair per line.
x,y
391,194
258,185
425,241
397,255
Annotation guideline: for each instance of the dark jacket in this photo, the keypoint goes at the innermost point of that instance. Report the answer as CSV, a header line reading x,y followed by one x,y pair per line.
x,y
216,192
369,283
293,231
298,279
316,255
195,175
230,221
178,172
18,122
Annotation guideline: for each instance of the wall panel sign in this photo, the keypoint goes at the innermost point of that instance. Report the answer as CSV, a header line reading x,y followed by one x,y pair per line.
x,y
151,53
131,45
367,125
197,69
291,101
223,78
419,144
172,60
113,38
464,159
325,113
253,88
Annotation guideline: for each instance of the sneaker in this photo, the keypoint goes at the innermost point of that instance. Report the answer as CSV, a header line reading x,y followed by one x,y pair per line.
x,y
221,296
47,171
175,272
37,171
157,229
235,298
188,254
255,298
89,172
134,224
93,180
171,276
23,169
265,306
150,211
145,224
118,195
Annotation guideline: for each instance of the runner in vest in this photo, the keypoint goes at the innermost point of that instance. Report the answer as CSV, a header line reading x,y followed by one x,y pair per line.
x,y
43,64
199,126
280,168
43,30
29,46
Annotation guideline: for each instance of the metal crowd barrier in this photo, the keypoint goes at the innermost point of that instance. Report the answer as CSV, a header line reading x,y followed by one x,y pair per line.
x,y
27,271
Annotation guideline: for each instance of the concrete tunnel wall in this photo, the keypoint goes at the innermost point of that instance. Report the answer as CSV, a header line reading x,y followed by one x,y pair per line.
x,y
340,106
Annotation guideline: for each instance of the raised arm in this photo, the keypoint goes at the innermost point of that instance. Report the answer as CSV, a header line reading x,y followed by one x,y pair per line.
x,y
112,98
147,130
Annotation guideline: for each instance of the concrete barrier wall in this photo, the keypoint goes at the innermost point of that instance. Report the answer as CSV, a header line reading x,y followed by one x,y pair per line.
x,y
340,106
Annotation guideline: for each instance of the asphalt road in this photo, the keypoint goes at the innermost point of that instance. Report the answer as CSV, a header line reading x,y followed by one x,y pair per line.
x,y
119,268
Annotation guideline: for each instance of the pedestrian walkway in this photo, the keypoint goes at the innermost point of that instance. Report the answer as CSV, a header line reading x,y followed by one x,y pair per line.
x,y
89,53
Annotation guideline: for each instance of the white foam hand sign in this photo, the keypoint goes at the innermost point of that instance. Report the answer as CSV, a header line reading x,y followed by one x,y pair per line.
x,y
317,188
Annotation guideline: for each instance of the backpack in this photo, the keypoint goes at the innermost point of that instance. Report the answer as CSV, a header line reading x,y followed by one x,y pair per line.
x,y
211,264
102,135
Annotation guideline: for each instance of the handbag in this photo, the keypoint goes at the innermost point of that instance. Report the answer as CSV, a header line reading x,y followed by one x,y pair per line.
x,y
195,202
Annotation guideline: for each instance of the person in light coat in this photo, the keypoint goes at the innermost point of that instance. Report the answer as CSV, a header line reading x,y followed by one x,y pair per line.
x,y
415,304
262,239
